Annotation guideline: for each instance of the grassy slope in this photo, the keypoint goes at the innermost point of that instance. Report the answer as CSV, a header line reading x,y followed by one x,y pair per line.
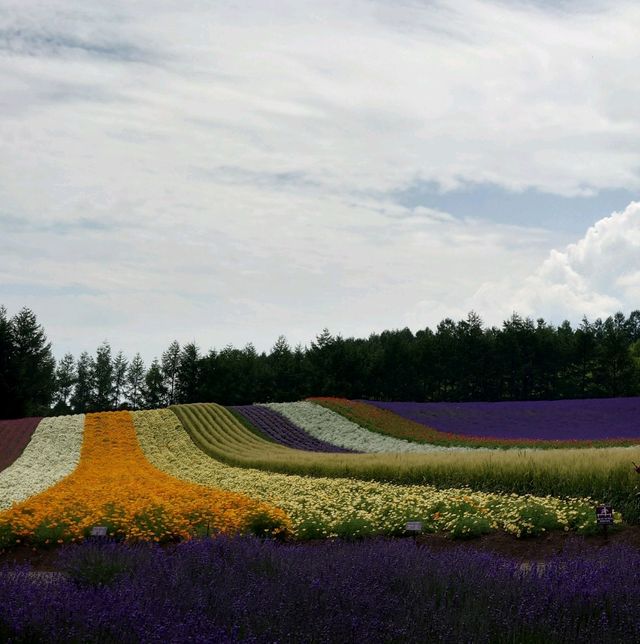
x,y
603,474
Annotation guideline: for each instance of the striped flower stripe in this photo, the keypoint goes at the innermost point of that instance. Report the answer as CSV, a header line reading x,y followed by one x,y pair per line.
x,y
327,425
115,486
328,507
282,430
52,454
14,437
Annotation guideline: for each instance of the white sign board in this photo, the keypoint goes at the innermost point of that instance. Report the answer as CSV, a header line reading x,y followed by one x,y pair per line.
x,y
413,526
99,531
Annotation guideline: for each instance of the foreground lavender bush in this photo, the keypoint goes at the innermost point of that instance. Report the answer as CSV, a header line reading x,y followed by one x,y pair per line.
x,y
244,590
283,431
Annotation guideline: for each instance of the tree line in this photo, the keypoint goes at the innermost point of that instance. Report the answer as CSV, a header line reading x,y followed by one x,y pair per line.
x,y
460,360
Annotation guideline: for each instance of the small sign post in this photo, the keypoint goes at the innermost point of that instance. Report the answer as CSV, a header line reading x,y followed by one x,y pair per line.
x,y
604,517
413,526
99,532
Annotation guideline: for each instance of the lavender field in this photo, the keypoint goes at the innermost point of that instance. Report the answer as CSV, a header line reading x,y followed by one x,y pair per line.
x,y
247,590
282,430
592,419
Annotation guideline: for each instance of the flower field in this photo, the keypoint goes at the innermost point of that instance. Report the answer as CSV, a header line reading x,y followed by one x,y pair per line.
x,y
51,455
600,474
328,426
326,507
282,430
115,486
558,420
286,469
14,437
404,420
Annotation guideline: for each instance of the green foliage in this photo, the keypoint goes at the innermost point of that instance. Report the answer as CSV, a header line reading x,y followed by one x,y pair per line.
x,y
263,525
467,527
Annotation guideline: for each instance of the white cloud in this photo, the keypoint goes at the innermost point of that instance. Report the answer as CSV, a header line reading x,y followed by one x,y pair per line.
x,y
223,171
596,276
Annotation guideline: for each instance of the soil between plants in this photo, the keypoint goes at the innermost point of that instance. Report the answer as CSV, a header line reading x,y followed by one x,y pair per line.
x,y
525,550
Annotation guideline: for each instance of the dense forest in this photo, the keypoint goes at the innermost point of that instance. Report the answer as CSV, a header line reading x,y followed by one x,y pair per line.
x,y
458,361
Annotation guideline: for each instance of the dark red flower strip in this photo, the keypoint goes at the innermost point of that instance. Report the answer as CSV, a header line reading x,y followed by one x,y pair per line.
x,y
14,437
282,430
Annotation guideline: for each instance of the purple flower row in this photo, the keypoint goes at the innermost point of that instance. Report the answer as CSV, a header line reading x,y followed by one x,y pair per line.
x,y
282,430
593,419
246,590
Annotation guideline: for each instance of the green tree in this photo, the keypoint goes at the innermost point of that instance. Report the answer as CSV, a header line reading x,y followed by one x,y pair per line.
x,y
65,381
120,365
155,392
135,382
103,381
170,368
83,391
33,365
8,406
282,380
189,372
614,363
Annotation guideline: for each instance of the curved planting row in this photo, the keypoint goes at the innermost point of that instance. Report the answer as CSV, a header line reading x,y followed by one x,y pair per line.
x,y
602,474
282,430
378,417
115,486
326,425
52,453
14,437
323,507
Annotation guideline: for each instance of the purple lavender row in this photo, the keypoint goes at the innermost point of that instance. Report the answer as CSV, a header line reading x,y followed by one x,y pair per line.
x,y
250,590
282,430
592,419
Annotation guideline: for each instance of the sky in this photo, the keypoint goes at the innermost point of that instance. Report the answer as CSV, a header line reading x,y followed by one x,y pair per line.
x,y
225,172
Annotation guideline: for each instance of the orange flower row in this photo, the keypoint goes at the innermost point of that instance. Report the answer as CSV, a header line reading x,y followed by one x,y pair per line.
x,y
115,486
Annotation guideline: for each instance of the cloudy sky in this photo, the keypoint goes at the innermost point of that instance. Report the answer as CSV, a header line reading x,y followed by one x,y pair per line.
x,y
225,171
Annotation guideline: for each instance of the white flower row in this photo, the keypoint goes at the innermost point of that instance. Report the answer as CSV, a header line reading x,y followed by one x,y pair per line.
x,y
52,453
327,425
